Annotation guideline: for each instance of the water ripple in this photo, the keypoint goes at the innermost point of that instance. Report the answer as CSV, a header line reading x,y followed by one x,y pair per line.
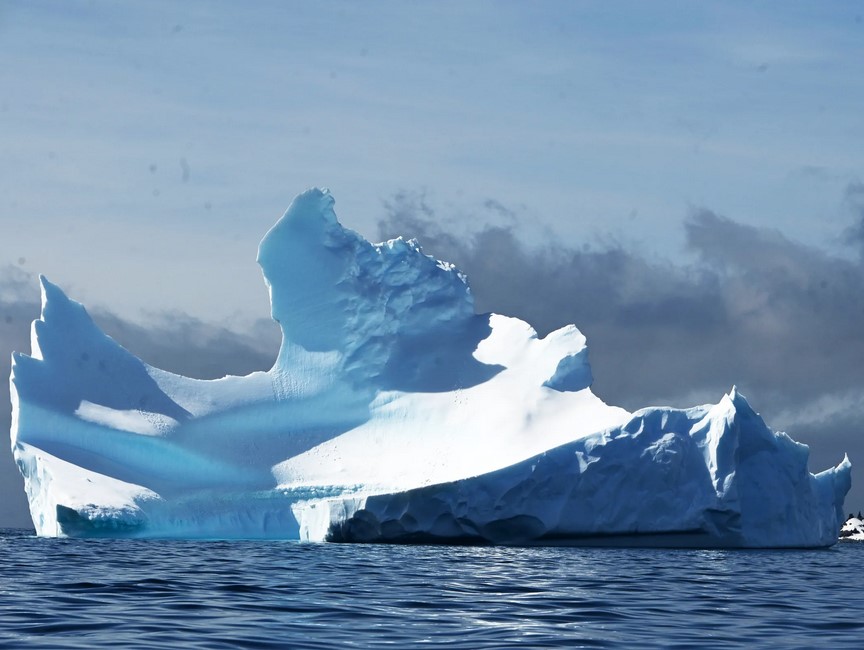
x,y
153,594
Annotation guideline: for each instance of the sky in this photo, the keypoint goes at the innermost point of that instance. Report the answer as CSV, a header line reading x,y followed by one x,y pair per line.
x,y
682,182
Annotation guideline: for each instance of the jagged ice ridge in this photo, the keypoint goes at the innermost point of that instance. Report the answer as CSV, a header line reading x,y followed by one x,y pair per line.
x,y
393,413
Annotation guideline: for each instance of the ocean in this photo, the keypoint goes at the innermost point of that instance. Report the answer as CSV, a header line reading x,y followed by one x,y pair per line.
x,y
61,593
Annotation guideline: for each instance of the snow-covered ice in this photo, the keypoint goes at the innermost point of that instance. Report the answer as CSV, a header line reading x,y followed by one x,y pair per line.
x,y
853,530
393,413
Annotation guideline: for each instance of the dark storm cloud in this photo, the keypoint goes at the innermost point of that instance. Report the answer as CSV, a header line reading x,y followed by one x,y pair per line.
x,y
795,312
780,319
500,208
172,341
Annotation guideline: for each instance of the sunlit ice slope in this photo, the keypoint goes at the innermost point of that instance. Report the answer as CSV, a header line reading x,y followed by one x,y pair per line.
x,y
389,391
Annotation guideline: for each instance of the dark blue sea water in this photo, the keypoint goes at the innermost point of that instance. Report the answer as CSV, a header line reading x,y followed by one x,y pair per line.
x,y
58,593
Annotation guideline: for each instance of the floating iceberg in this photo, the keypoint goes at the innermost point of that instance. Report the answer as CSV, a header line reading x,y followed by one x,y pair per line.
x,y
852,530
393,413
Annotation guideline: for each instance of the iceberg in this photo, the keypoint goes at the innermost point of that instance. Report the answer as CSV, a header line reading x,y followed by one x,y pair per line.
x,y
853,529
393,413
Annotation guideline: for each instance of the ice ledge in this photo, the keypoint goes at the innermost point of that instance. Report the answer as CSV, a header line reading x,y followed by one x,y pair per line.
x,y
676,493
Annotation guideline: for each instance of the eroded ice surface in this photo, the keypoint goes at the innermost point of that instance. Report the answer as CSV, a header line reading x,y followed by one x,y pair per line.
x,y
393,413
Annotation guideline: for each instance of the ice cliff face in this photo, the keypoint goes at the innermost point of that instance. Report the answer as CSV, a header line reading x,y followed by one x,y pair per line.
x,y
704,477
393,413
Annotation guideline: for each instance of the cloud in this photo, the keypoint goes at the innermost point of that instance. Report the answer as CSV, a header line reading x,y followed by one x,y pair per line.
x,y
172,341
185,345
19,305
781,319
854,234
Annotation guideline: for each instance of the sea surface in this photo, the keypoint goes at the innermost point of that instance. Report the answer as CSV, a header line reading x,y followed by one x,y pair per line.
x,y
59,593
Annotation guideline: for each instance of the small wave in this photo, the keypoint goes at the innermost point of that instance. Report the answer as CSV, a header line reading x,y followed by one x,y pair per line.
x,y
137,594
